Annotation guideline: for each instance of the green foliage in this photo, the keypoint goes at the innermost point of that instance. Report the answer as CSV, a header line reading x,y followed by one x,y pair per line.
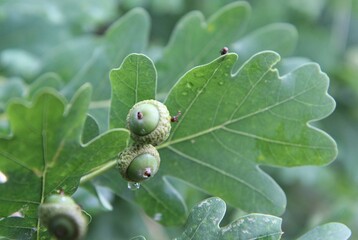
x,y
241,114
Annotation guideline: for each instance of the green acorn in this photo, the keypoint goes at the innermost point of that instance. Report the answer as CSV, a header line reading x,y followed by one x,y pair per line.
x,y
139,162
63,217
149,122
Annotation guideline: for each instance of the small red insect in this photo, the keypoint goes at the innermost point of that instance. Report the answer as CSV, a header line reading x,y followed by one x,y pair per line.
x,y
224,50
176,117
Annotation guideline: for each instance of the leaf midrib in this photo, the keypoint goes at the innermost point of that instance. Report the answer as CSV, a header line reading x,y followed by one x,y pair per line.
x,y
223,126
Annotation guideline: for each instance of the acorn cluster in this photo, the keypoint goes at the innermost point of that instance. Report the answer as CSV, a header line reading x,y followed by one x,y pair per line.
x,y
149,124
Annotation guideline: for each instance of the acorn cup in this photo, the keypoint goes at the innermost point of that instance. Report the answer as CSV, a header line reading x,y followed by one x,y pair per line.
x,y
149,122
139,162
62,217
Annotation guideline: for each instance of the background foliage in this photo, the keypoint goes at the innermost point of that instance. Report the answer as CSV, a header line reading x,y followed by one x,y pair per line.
x,y
38,37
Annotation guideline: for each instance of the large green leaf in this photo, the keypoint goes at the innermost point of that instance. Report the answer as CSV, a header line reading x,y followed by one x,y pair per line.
x,y
204,219
231,123
44,154
329,231
195,41
256,105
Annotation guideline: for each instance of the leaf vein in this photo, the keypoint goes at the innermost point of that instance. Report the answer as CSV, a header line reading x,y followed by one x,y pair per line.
x,y
159,201
249,93
9,157
207,165
193,101
171,142
271,140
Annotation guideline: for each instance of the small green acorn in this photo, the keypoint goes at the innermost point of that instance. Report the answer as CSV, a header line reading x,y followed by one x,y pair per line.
x,y
149,122
62,217
139,162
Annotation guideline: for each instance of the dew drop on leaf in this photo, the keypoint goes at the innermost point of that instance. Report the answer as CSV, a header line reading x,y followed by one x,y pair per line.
x,y
184,93
133,186
3,178
17,214
157,217
221,83
189,85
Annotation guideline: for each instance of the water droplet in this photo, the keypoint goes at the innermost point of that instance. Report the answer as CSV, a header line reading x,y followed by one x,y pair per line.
x,y
3,178
157,217
192,141
221,83
189,85
133,186
226,74
184,93
17,214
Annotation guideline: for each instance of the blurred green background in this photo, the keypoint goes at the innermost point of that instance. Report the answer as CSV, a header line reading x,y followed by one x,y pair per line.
x,y
33,31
